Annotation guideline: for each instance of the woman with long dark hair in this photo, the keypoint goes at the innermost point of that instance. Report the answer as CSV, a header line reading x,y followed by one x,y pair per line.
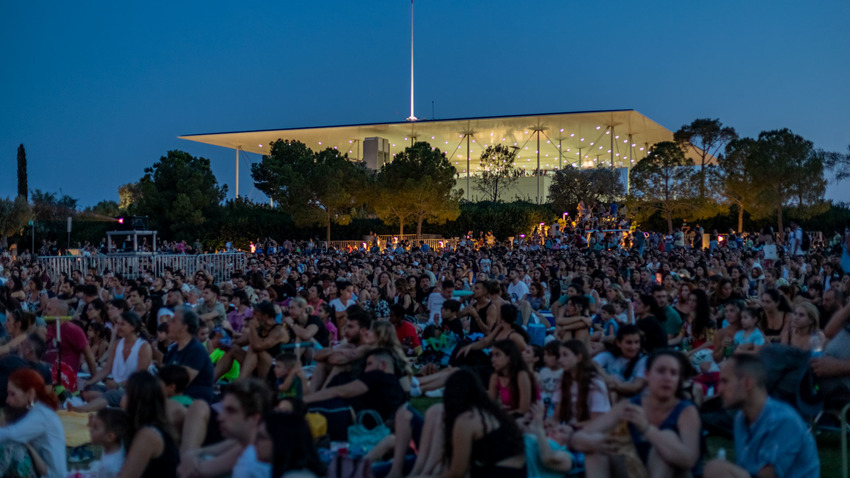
x,y
623,367
284,441
153,452
584,395
664,428
480,439
512,384
777,315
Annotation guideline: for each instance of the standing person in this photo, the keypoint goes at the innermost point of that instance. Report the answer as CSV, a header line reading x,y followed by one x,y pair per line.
x,y
153,452
36,441
771,440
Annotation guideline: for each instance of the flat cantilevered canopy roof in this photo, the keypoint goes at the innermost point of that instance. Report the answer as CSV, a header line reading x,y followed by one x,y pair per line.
x,y
583,138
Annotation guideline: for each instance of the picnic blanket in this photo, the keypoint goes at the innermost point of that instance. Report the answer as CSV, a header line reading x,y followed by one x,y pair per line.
x,y
76,427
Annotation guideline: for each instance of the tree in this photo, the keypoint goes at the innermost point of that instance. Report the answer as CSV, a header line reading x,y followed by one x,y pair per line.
x,y
103,210
23,189
14,215
706,137
323,187
663,181
48,206
179,193
420,180
500,172
128,195
789,173
390,203
734,178
838,163
570,186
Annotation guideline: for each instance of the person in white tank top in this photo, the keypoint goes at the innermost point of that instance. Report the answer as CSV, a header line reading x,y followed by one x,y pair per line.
x,y
130,354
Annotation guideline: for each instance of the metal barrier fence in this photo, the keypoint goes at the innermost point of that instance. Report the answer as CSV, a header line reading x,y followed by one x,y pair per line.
x,y
220,266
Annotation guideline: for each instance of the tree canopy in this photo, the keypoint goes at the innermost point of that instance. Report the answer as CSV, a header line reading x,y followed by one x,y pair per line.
x,y
499,171
323,187
14,215
179,193
572,185
663,181
788,173
706,137
418,183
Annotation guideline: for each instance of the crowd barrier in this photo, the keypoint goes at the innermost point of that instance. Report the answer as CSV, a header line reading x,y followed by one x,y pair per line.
x,y
220,266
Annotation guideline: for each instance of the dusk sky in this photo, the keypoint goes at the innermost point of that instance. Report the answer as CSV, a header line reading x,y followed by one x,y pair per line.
x,y
97,91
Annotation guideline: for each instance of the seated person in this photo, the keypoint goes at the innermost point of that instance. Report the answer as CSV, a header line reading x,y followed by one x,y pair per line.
x,y
242,409
332,361
664,428
833,368
264,339
771,440
109,429
74,343
378,388
29,355
187,352
290,378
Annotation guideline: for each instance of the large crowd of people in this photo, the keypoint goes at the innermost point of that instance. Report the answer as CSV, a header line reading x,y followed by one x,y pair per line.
x,y
607,352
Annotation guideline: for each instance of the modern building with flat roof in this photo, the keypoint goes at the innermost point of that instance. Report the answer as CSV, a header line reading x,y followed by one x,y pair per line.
x,y
544,142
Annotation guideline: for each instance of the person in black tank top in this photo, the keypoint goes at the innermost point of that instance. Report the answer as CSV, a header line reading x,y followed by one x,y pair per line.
x,y
494,439
151,432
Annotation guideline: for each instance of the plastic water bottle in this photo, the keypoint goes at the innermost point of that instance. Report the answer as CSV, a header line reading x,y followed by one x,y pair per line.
x,y
816,345
721,454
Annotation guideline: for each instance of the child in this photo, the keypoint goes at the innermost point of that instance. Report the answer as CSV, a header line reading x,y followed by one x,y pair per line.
x,y
109,428
610,323
290,377
624,366
175,378
750,339
549,376
325,313
623,312
451,322
220,342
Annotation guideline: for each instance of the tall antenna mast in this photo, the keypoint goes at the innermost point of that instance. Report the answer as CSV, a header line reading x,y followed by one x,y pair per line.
x,y
412,117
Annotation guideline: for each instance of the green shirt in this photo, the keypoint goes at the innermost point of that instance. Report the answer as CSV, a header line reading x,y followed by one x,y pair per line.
x,y
673,324
184,400
233,374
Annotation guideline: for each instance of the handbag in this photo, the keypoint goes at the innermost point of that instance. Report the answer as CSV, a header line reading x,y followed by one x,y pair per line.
x,y
365,438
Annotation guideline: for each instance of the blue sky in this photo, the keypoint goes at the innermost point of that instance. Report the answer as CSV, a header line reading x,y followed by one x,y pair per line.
x,y
97,91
